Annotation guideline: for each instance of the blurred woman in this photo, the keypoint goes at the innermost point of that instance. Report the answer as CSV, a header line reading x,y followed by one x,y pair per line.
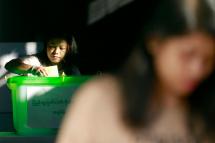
x,y
163,94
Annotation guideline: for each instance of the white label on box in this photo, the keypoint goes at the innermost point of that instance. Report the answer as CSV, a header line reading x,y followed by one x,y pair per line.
x,y
47,105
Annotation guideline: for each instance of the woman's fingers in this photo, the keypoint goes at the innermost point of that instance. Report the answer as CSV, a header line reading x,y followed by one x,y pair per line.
x,y
44,72
41,71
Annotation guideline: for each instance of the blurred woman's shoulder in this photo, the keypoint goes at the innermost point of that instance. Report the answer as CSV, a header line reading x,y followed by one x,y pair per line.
x,y
95,112
104,86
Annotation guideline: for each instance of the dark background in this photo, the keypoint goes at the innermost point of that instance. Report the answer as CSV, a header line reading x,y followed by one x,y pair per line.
x,y
103,45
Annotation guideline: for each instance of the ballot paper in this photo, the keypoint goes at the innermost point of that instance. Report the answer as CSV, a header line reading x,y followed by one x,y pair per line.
x,y
52,71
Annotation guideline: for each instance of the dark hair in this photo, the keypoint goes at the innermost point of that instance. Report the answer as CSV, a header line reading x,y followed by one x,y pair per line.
x,y
177,18
73,49
137,76
70,56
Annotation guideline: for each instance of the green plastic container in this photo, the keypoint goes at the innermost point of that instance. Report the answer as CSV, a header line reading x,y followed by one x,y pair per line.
x,y
39,103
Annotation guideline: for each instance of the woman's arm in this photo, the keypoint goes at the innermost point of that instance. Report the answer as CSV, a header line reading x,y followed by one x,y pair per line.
x,y
19,67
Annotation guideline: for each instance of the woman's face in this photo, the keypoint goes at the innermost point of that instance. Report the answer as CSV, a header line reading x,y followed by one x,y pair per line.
x,y
56,50
181,63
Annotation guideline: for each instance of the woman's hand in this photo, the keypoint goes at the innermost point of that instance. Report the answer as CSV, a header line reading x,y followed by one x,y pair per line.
x,y
39,71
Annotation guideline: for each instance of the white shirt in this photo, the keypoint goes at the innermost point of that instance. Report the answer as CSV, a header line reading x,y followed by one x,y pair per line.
x,y
31,60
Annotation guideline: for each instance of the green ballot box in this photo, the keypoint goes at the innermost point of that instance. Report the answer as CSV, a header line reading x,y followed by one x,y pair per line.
x,y
39,103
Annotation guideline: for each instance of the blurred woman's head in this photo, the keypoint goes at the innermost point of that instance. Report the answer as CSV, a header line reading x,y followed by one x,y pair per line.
x,y
178,49
182,62
180,42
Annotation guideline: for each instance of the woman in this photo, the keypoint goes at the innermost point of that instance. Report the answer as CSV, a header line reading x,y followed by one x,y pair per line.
x,y
58,51
163,94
